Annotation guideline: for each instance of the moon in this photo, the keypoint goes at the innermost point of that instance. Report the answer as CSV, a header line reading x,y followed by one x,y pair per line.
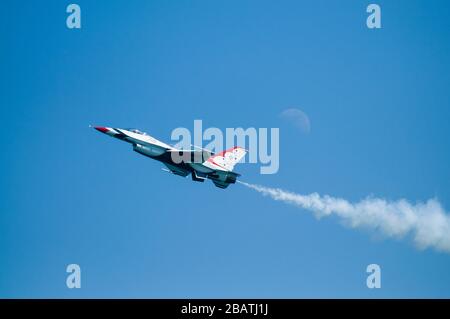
x,y
298,118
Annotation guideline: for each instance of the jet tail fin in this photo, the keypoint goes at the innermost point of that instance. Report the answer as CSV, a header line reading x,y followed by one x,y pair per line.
x,y
228,158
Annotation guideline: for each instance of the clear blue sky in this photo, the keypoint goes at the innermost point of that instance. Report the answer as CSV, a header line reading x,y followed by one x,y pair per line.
x,y
379,106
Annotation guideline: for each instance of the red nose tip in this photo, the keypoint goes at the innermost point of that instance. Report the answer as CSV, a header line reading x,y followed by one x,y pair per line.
x,y
101,129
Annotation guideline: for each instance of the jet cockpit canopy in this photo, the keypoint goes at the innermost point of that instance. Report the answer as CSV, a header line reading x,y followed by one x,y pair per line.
x,y
135,130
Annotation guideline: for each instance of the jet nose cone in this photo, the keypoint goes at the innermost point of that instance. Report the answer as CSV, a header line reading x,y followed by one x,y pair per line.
x,y
101,129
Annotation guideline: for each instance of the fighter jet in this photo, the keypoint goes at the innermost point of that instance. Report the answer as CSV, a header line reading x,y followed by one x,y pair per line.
x,y
201,164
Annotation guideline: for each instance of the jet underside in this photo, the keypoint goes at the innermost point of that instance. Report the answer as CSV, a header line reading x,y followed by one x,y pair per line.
x,y
220,179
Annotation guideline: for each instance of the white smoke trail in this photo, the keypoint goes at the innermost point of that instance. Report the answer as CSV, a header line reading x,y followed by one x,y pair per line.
x,y
426,223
